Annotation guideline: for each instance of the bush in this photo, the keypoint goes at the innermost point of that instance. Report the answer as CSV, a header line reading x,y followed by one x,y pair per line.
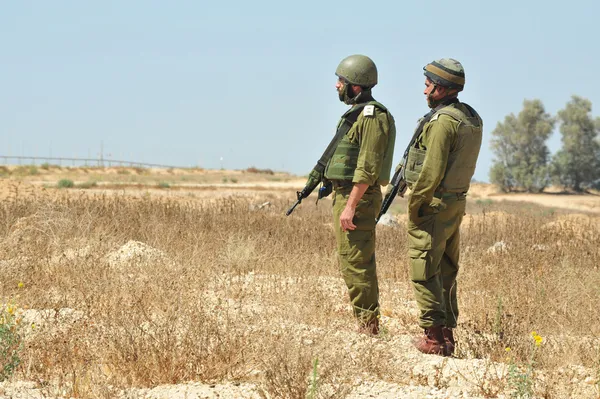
x,y
252,169
66,183
88,184
27,170
484,202
10,342
164,184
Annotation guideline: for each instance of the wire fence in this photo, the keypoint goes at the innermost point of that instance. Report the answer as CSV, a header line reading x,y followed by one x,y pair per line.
x,y
101,162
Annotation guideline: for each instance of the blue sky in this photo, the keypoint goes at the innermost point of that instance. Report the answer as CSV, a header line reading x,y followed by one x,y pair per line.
x,y
187,83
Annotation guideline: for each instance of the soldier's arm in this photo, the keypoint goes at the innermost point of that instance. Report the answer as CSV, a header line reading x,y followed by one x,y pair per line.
x,y
358,190
372,133
373,138
439,137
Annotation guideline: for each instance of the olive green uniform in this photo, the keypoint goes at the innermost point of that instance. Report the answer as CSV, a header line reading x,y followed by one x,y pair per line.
x,y
363,156
439,170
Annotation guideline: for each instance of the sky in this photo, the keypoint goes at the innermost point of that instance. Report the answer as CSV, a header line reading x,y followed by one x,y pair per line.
x,y
236,84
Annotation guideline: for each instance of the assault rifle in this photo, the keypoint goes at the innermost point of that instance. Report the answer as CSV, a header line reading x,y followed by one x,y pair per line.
x,y
348,120
398,182
323,192
399,187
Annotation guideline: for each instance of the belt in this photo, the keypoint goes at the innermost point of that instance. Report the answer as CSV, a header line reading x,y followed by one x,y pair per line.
x,y
342,183
446,195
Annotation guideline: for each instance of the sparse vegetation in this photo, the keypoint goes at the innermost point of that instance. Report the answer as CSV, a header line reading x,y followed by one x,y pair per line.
x,y
252,169
141,170
484,202
65,183
163,184
10,341
128,326
88,184
26,170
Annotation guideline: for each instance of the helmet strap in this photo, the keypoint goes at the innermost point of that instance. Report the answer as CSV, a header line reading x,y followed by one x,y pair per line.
x,y
430,101
447,99
350,98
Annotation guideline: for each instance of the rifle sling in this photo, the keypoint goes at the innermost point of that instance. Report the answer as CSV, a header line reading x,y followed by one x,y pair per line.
x,y
347,122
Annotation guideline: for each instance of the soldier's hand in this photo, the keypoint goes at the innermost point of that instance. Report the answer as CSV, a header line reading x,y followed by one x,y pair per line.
x,y
346,219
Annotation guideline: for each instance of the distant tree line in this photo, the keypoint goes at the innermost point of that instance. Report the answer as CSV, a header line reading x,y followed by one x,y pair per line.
x,y
522,159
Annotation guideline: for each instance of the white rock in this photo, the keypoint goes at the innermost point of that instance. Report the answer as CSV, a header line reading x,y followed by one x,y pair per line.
x,y
499,247
590,380
135,251
388,220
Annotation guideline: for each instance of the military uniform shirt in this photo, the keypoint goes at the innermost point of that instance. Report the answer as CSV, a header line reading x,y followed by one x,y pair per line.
x,y
437,138
371,132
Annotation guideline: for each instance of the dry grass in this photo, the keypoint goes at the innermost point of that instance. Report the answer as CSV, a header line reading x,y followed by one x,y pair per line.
x,y
219,292
127,176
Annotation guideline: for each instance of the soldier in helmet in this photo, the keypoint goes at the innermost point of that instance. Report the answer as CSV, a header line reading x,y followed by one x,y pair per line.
x,y
439,169
360,164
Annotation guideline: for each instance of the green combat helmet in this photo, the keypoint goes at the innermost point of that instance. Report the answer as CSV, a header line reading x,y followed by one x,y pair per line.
x,y
446,72
358,70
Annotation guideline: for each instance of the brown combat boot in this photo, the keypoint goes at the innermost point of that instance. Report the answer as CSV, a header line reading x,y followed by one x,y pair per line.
x,y
432,342
370,328
449,338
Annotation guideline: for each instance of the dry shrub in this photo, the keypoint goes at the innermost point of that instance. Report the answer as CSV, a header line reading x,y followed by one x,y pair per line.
x,y
294,369
219,292
252,169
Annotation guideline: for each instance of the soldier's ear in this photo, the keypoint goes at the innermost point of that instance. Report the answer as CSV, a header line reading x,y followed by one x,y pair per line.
x,y
451,92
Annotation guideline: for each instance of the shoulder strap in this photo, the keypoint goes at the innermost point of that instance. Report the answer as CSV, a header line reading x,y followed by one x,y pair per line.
x,y
378,105
459,115
453,112
348,119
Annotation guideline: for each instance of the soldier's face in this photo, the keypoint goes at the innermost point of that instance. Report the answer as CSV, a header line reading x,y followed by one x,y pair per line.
x,y
339,86
433,93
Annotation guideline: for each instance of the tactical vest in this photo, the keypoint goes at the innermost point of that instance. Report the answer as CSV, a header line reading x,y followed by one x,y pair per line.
x,y
343,163
463,152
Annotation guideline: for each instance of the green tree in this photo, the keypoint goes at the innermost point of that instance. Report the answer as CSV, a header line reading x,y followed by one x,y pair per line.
x,y
521,154
577,164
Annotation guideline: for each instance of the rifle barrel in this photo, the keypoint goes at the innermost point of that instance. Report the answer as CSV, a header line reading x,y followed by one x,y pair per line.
x,y
289,211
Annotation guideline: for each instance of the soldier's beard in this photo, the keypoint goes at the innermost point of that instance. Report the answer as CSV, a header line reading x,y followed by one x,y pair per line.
x,y
430,102
346,94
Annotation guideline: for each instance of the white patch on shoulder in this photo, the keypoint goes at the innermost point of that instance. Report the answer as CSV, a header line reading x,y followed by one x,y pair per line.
x,y
369,110
434,117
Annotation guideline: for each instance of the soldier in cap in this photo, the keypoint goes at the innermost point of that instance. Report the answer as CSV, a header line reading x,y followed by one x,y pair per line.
x,y
359,166
440,165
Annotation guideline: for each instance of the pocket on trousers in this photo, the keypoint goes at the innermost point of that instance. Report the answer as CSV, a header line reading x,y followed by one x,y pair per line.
x,y
420,266
420,233
357,246
364,216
